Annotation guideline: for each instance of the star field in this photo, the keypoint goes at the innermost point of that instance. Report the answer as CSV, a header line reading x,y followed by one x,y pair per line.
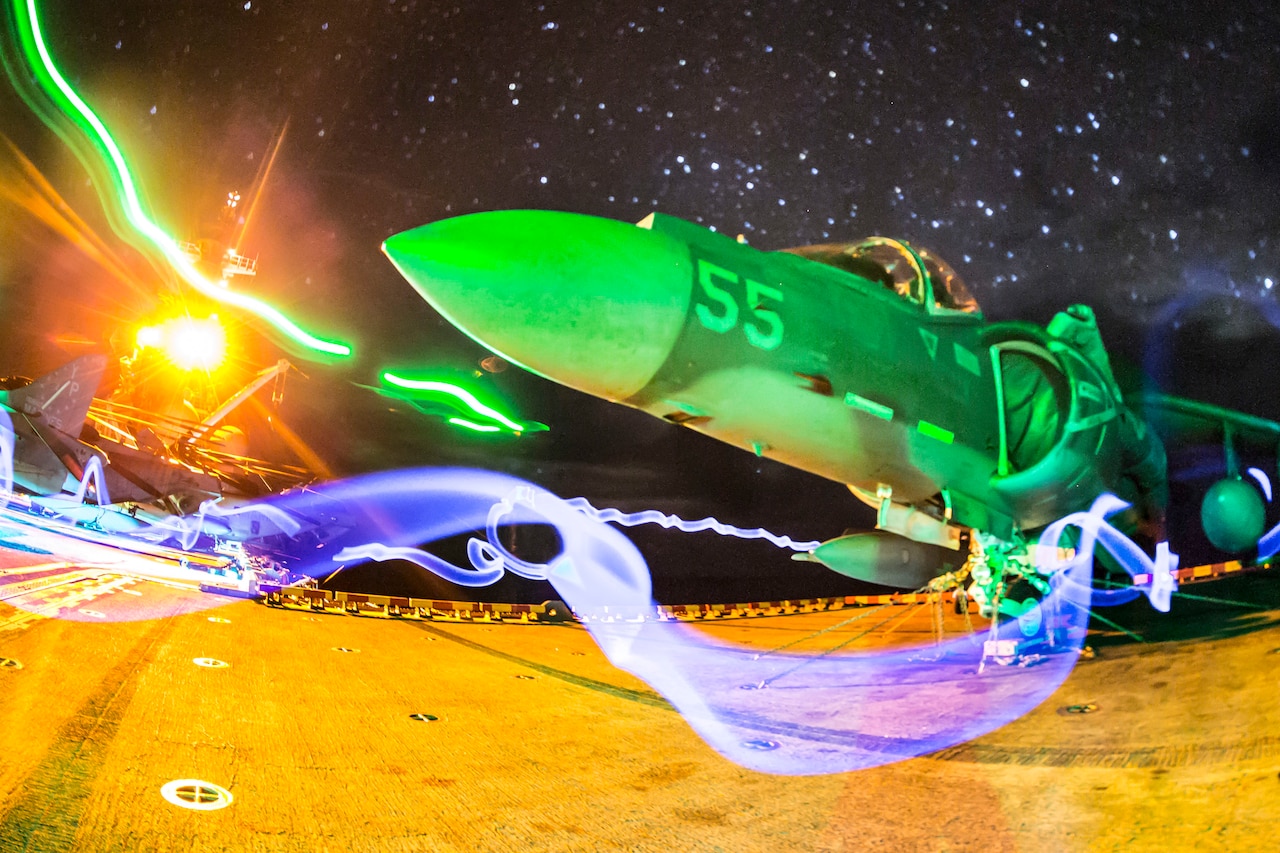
x,y
1017,139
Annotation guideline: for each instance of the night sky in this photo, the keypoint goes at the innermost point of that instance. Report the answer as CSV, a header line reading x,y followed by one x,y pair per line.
x,y
1121,154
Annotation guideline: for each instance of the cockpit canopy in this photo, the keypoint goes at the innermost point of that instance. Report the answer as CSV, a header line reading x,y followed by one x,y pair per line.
x,y
915,274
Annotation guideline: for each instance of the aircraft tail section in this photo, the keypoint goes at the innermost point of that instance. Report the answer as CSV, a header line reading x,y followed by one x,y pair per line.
x,y
62,398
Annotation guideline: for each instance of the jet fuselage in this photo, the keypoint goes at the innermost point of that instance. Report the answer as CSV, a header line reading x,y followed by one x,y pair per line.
x,y
868,364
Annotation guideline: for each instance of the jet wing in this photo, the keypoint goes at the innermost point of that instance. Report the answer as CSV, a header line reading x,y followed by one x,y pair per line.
x,y
1191,420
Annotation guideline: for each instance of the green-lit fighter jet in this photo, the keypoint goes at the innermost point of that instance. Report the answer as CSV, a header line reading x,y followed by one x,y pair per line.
x,y
867,363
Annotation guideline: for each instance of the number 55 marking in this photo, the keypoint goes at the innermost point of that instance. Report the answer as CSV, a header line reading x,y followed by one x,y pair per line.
x,y
721,315
757,337
728,318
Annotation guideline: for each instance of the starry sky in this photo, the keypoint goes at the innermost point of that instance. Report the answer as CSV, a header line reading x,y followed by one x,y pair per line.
x,y
1121,154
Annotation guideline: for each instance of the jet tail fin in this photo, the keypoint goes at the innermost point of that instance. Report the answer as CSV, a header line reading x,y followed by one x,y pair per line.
x,y
62,398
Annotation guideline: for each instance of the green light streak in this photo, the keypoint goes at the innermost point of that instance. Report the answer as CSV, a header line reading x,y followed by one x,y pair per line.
x,y
462,422
61,92
465,397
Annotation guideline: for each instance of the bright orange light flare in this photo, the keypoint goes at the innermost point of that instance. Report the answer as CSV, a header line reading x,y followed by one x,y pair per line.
x,y
189,343
196,344
149,336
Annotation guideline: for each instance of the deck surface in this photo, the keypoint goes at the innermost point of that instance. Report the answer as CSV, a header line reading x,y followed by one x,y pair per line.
x,y
540,744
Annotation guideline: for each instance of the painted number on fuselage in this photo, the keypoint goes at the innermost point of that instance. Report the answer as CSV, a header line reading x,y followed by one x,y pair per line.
x,y
718,310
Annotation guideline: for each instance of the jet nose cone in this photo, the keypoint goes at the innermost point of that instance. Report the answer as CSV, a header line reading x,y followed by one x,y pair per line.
x,y
592,303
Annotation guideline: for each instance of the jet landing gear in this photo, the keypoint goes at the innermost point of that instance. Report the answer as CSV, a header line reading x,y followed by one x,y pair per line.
x,y
1007,587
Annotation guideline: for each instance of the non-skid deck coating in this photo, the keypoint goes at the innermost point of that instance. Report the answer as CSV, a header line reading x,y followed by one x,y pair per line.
x,y
540,744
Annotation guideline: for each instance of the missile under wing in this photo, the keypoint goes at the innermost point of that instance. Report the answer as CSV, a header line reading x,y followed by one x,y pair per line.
x,y
867,363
